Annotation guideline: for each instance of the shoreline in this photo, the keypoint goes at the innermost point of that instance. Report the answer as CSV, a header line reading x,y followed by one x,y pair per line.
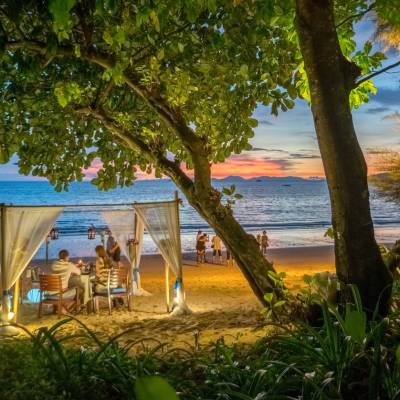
x,y
281,257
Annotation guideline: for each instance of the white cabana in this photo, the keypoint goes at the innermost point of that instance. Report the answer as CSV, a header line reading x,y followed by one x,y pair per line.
x,y
161,220
23,229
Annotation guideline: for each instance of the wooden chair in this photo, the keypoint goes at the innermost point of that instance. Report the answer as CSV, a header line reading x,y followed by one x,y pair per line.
x,y
117,287
51,292
29,280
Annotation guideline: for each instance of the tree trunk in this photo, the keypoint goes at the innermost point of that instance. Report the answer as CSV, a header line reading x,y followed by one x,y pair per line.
x,y
331,78
243,246
206,200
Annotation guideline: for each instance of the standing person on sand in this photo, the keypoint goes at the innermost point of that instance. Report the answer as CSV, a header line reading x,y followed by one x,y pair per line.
x,y
201,249
206,239
216,246
258,238
264,242
198,236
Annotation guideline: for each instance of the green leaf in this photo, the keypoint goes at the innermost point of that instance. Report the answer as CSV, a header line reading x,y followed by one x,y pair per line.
x,y
253,122
154,388
330,233
181,47
60,11
154,20
160,54
398,355
279,303
355,324
268,297
244,71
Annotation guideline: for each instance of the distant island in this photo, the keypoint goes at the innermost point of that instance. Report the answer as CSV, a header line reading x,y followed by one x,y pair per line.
x,y
279,179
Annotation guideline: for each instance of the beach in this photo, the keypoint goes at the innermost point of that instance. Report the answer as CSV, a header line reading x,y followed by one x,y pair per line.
x,y
220,298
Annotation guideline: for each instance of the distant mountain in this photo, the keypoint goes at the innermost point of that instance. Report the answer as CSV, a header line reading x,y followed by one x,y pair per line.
x,y
230,178
280,179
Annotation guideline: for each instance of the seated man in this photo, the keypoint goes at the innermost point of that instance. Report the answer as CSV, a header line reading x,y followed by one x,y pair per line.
x,y
69,272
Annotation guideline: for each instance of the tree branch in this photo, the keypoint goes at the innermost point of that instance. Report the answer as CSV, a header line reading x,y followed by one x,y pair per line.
x,y
171,117
354,16
373,74
170,168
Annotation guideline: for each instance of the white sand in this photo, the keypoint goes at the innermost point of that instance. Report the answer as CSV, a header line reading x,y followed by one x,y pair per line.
x,y
220,298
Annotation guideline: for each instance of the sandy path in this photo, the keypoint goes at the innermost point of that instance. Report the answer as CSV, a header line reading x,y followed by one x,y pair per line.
x,y
220,298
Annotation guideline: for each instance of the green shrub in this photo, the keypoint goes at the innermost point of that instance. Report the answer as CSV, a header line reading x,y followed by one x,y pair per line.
x,y
347,357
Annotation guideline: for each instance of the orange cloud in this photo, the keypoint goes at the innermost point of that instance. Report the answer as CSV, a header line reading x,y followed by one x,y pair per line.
x,y
247,165
249,168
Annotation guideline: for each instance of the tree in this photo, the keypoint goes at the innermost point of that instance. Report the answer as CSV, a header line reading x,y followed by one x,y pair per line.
x,y
168,84
332,76
163,86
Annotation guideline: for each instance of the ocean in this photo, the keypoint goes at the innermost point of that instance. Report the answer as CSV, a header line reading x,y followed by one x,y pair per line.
x,y
295,212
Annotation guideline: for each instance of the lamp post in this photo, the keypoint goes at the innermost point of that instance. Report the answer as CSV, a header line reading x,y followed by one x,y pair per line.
x,y
91,233
103,234
53,235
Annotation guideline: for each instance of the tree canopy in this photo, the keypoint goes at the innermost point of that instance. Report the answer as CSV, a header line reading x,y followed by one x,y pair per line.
x,y
155,85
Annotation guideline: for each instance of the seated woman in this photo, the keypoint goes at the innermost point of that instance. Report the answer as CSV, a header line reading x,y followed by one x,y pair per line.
x,y
103,266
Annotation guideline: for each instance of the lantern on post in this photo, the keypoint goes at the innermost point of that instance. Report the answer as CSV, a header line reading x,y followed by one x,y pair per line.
x,y
131,240
53,235
103,234
91,233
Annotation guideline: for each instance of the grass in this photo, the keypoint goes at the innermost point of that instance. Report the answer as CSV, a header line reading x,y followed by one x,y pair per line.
x,y
347,357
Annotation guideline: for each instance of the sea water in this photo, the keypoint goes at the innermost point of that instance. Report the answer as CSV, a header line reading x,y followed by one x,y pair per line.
x,y
295,212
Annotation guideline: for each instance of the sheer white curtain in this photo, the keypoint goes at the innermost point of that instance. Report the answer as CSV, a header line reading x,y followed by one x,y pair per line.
x,y
161,220
25,228
123,226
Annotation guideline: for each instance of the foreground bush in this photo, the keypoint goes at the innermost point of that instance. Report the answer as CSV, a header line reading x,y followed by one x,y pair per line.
x,y
346,358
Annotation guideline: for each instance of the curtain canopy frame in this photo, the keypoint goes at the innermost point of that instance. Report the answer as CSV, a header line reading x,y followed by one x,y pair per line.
x,y
132,204
124,206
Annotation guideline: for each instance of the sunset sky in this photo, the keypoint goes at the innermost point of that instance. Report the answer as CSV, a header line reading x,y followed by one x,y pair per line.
x,y
286,145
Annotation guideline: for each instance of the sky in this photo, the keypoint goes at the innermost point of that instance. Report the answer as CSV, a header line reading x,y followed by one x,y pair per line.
x,y
287,146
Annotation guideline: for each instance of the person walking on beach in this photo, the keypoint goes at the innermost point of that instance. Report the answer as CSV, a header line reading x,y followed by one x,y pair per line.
x,y
216,246
201,249
258,238
264,242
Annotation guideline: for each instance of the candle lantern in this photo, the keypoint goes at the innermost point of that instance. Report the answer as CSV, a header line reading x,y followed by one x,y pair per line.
x,y
54,234
91,234
131,240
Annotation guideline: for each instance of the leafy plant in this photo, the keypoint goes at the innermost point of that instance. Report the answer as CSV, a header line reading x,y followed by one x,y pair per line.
x,y
230,196
347,357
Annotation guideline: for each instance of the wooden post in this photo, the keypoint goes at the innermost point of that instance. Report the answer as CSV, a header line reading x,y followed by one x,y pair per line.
x,y
167,286
16,299
4,311
180,277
